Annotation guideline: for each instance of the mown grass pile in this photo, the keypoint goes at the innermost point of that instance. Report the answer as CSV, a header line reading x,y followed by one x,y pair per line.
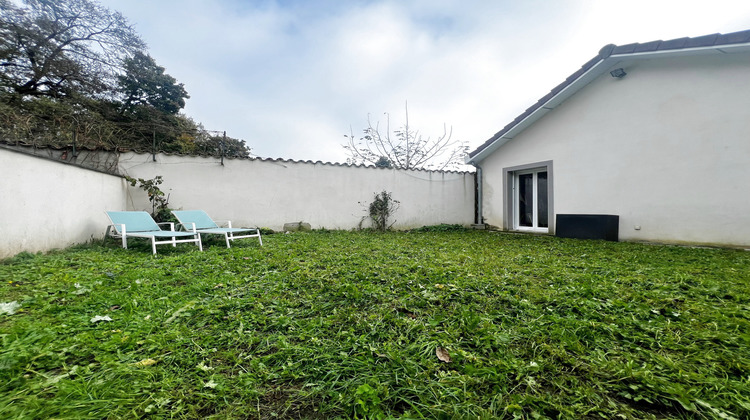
x,y
346,324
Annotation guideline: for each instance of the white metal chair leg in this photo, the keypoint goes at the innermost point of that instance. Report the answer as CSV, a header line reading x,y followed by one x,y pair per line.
x,y
124,236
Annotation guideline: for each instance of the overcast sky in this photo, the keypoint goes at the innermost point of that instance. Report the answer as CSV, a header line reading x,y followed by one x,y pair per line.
x,y
291,77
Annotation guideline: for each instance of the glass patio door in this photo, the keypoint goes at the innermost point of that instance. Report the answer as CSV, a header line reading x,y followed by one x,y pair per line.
x,y
531,201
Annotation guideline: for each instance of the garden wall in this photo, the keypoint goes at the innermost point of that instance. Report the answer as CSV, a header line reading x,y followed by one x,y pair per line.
x,y
269,193
47,203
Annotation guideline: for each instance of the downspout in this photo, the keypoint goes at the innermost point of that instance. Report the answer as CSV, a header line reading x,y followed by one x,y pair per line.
x,y
478,219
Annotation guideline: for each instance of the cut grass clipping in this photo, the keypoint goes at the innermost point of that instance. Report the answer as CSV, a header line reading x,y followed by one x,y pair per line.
x,y
442,323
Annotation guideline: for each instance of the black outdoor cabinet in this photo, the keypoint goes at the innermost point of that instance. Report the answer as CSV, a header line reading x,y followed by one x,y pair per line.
x,y
588,226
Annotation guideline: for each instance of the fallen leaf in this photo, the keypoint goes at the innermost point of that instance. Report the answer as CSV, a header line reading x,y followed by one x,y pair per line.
x,y
99,318
146,362
9,307
202,366
443,355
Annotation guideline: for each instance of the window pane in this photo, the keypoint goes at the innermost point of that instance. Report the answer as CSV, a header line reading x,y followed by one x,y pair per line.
x,y
525,199
541,186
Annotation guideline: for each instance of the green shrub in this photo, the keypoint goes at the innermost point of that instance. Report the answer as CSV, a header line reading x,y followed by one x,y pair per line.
x,y
381,209
160,210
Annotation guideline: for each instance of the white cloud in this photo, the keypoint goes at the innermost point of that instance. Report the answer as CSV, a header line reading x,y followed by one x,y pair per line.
x,y
292,77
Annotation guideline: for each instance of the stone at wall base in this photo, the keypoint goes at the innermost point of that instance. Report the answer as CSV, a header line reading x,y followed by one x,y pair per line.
x,y
297,227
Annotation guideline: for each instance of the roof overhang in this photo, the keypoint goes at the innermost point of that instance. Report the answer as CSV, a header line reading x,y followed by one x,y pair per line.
x,y
570,87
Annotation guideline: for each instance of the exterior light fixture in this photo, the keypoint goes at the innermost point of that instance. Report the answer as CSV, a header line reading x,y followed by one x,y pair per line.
x,y
618,73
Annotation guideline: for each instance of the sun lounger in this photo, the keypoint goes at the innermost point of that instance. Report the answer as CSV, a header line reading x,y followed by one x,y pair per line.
x,y
139,224
199,222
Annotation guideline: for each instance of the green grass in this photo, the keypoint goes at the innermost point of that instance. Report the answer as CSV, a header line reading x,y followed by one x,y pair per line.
x,y
344,324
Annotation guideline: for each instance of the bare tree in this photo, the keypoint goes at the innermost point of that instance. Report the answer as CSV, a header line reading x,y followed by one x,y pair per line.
x,y
54,47
404,148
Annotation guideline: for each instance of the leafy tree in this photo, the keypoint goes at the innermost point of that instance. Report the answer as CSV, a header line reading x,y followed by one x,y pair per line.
x,y
56,48
195,139
46,121
404,148
145,83
74,73
232,147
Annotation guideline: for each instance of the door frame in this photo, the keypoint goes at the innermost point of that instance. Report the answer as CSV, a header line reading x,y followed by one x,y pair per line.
x,y
509,181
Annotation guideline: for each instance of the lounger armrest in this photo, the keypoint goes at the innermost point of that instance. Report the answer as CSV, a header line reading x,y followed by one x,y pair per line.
x,y
171,225
229,225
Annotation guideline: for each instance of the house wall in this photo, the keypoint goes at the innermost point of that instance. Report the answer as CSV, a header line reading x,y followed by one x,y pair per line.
x,y
269,193
666,148
46,205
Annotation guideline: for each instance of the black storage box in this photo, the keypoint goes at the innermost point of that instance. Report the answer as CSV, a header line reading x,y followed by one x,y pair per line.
x,y
588,226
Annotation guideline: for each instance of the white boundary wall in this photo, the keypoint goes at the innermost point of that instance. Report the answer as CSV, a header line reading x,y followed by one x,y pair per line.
x,y
268,193
46,205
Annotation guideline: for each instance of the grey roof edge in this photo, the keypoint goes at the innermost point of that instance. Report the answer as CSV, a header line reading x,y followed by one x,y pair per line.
x,y
350,165
614,51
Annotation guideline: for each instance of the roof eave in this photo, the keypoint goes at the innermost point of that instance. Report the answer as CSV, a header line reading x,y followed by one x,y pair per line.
x,y
587,77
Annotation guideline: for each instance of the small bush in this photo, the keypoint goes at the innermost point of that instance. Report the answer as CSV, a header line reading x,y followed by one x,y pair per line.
x,y
381,209
160,210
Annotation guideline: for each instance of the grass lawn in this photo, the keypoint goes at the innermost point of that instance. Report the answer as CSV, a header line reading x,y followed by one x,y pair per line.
x,y
355,324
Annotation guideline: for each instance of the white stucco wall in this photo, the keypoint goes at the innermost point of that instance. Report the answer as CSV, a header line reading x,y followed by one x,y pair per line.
x,y
269,193
46,205
666,148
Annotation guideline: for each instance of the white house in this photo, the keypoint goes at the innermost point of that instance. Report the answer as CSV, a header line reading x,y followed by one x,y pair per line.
x,y
656,133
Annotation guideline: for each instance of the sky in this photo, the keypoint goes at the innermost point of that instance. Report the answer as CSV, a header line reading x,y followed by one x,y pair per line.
x,y
293,77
